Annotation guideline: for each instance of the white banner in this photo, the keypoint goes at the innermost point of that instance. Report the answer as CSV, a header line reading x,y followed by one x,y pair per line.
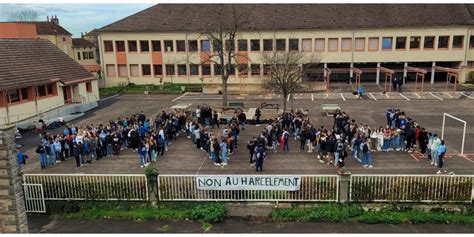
x,y
249,182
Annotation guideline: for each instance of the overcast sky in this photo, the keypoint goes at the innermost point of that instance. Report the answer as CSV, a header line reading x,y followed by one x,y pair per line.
x,y
77,18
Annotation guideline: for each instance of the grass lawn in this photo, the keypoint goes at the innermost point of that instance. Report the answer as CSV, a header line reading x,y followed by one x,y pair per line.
x,y
152,89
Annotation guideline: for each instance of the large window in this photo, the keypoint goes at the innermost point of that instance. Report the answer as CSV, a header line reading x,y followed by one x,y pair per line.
x,y
401,43
206,69
373,44
108,46
134,71
216,45
471,42
122,70
359,44
170,71
333,44
255,45
319,45
85,55
91,55
429,42
217,69
267,45
387,43
306,45
180,46
157,70
193,45
194,69
205,46
45,90
78,55
144,46
110,70
415,42
243,69
182,70
132,46
293,44
458,41
146,70
156,45
281,45
169,46
443,42
120,45
14,96
242,45
346,44
255,69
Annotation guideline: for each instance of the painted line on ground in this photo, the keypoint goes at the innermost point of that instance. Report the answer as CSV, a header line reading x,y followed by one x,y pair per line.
x,y
419,96
204,160
404,96
179,97
343,97
446,93
288,99
110,97
312,97
466,158
435,96
373,97
464,94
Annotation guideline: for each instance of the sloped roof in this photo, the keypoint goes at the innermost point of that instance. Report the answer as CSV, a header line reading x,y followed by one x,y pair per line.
x,y
196,17
26,62
48,28
82,43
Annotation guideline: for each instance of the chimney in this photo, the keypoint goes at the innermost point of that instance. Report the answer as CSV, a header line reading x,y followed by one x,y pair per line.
x,y
55,20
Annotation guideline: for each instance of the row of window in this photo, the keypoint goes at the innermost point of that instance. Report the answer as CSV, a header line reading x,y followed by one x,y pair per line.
x,y
28,93
307,45
180,69
85,55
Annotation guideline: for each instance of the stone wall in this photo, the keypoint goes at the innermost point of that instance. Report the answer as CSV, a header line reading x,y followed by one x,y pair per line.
x,y
12,204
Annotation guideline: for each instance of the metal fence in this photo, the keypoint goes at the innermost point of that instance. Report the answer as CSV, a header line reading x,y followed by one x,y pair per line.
x,y
34,198
91,186
411,188
313,188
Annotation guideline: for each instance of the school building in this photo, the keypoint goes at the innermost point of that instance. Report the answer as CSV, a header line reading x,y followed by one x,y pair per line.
x,y
165,43
40,81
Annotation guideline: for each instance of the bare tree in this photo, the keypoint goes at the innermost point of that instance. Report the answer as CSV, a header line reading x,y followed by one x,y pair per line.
x,y
285,72
23,15
222,34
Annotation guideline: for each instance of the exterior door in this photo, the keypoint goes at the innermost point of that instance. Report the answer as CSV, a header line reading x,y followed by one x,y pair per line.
x,y
67,94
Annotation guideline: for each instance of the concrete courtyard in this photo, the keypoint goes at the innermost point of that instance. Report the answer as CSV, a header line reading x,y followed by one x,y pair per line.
x,y
183,157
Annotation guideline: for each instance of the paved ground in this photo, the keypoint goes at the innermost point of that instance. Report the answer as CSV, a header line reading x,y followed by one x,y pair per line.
x,y
184,158
41,224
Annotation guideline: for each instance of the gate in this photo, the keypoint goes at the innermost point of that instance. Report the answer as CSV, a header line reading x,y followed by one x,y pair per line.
x,y
34,198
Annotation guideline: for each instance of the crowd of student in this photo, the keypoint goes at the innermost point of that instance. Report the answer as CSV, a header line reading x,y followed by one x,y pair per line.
x,y
150,138
219,146
94,142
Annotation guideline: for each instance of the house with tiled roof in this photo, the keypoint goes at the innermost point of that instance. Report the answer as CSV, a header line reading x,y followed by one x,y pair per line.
x,y
165,43
38,80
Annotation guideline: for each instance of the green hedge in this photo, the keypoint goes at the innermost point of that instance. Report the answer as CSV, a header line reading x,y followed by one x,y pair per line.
x,y
205,212
355,213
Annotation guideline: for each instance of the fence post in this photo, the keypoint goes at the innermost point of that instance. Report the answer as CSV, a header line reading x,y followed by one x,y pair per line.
x,y
344,186
152,181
